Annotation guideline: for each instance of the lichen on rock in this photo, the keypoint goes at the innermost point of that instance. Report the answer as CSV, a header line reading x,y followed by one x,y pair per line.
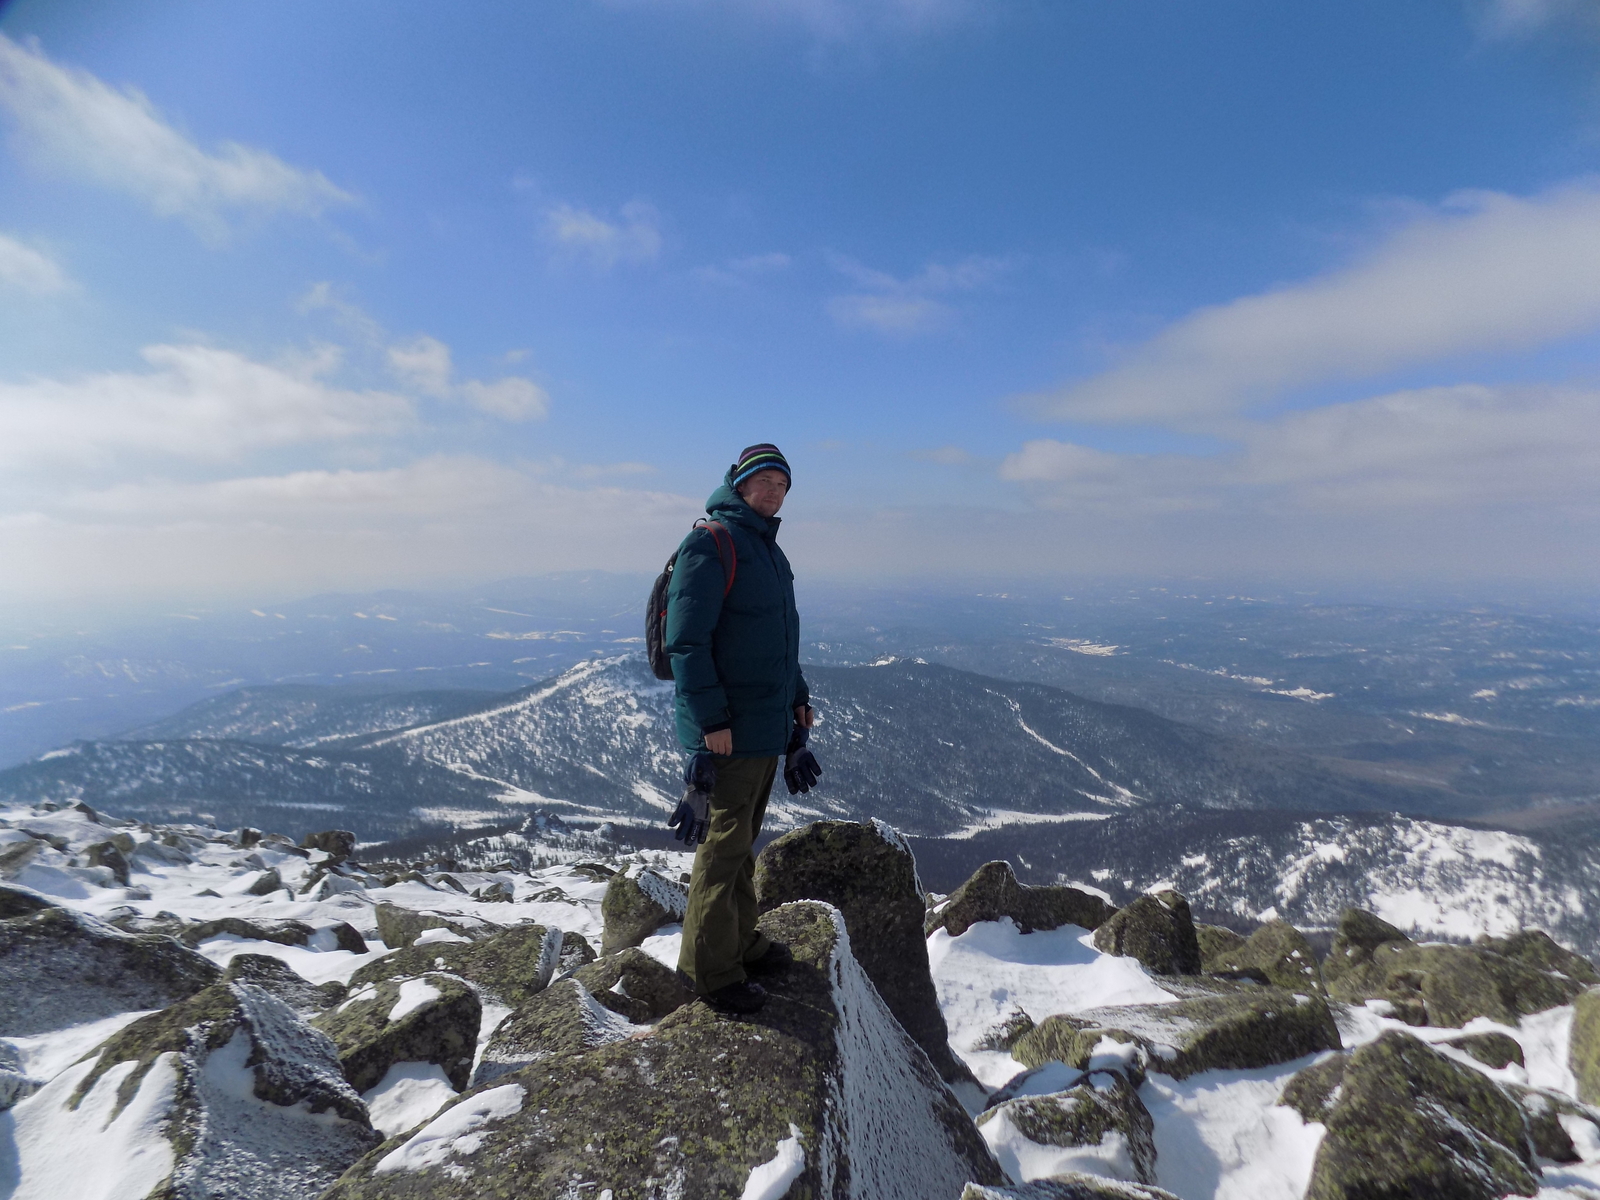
x,y
432,1018
1406,1121
866,871
637,902
1503,979
249,1100
993,893
693,1104
1214,1025
1156,929
61,968
1108,1122
1277,953
510,966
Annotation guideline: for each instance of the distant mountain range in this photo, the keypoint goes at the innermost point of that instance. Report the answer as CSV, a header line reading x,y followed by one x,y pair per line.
x,y
936,751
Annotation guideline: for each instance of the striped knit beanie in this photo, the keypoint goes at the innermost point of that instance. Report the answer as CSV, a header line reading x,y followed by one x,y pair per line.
x,y
760,458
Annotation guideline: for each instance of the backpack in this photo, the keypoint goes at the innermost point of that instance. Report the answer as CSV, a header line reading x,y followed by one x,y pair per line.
x,y
655,615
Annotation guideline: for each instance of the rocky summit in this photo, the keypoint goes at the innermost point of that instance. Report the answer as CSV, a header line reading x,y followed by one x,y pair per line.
x,y
192,1012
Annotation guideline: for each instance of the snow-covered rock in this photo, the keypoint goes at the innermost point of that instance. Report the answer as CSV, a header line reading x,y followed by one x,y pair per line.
x,y
867,871
59,968
993,892
431,1018
822,1093
224,1096
638,902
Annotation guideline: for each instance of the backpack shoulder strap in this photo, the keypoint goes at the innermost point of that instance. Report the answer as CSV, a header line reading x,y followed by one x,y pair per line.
x,y
729,556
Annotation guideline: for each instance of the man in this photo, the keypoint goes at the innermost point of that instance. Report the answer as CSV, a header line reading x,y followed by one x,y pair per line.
x,y
740,702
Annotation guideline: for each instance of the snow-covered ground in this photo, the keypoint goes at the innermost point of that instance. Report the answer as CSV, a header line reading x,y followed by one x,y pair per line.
x,y
1219,1135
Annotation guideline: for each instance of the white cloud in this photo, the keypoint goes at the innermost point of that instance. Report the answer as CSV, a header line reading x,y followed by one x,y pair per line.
x,y
838,20
424,363
29,270
635,238
196,402
743,269
70,121
1485,272
512,398
905,307
1462,450
439,518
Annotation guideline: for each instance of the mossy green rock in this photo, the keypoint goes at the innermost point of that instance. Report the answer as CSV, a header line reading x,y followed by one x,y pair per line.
x,y
1214,942
1451,985
1544,1110
1312,1091
563,1020
298,1125
59,968
690,1106
1584,1050
399,927
1068,1187
438,1024
1158,930
993,893
1215,1025
1491,1049
510,966
634,985
277,978
867,872
1084,1116
22,902
637,902
1277,953
1408,1123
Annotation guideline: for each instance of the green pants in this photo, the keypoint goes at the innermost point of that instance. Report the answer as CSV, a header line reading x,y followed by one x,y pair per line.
x,y
719,930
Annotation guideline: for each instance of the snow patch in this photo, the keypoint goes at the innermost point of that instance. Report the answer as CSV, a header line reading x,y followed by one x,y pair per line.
x,y
454,1132
409,1094
414,994
771,1179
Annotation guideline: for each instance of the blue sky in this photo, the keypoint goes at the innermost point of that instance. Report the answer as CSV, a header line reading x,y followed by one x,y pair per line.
x,y
304,295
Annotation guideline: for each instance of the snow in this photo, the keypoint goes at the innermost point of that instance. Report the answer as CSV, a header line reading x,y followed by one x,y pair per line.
x,y
46,1055
86,1153
664,944
771,1179
453,1132
994,968
432,937
409,1094
1026,1160
414,994
1221,1135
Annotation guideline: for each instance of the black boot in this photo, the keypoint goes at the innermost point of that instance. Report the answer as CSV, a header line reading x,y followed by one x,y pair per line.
x,y
743,997
776,959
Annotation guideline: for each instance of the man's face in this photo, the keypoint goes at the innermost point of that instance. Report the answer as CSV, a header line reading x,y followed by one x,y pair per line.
x,y
764,491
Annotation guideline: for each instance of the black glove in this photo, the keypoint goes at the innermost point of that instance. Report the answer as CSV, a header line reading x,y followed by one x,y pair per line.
x,y
800,769
691,820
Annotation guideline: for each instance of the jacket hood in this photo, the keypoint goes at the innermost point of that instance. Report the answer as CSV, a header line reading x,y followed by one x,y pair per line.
x,y
725,504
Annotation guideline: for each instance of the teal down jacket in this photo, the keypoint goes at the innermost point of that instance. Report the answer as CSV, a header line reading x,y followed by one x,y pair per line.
x,y
735,659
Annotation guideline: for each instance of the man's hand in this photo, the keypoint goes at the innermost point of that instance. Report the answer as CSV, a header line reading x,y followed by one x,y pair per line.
x,y
803,716
720,742
800,769
691,820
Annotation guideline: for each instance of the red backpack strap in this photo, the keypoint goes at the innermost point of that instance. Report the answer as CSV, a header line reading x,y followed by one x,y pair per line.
x,y
730,558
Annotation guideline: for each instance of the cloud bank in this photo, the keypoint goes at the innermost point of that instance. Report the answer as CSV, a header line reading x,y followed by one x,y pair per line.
x,y
1484,272
68,121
